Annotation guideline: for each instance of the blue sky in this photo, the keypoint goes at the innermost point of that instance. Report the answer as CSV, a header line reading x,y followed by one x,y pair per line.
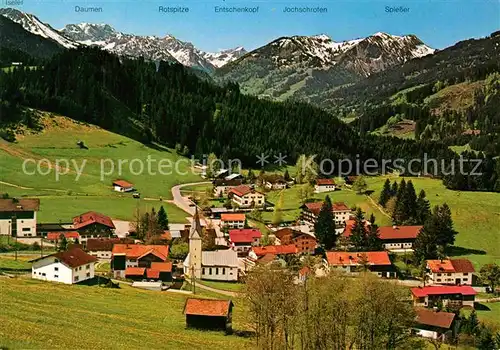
x,y
438,23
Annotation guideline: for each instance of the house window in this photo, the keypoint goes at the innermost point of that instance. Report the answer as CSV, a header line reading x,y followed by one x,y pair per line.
x,y
76,278
465,279
87,267
26,229
439,274
210,271
223,270
203,271
88,274
438,280
43,273
56,268
216,270
466,273
56,276
449,274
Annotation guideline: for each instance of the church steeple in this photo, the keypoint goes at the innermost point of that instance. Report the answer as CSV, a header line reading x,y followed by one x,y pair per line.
x,y
195,231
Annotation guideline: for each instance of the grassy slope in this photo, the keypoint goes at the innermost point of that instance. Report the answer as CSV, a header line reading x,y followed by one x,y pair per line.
x,y
67,197
59,316
475,214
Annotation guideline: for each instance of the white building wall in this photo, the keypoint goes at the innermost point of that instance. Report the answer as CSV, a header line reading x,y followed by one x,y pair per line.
x,y
341,217
5,227
102,255
49,270
219,273
324,188
83,272
426,334
26,227
450,278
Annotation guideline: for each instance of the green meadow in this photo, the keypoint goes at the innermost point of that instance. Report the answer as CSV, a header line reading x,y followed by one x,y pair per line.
x,y
86,175
476,215
44,315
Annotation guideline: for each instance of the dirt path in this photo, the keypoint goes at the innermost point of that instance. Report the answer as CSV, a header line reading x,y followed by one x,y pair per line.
x,y
214,290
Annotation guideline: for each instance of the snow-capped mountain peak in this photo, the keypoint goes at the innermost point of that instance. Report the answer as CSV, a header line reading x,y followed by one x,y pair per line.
x,y
32,24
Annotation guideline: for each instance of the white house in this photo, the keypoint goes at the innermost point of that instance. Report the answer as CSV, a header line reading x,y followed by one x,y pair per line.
x,y
324,185
122,186
71,266
450,271
219,265
434,324
18,217
246,197
232,220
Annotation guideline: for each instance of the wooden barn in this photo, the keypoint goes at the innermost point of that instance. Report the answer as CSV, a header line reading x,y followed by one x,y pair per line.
x,y
209,314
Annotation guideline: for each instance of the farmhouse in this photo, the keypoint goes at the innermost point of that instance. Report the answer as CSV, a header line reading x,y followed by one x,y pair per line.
x,y
244,196
219,265
232,220
209,314
434,324
399,238
274,182
276,250
18,217
449,295
310,212
71,236
452,271
222,186
324,185
242,240
354,262
158,271
71,266
305,243
102,248
135,255
93,224
122,186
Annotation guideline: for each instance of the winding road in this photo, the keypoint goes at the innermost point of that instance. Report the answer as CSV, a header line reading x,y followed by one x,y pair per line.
x,y
182,202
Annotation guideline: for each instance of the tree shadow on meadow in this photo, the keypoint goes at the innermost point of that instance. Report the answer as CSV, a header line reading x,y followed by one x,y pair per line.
x,y
458,251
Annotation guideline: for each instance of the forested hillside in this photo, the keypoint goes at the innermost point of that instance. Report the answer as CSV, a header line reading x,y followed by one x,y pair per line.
x,y
19,45
173,106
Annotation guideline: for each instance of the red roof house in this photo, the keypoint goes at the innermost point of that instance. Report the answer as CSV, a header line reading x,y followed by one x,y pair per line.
x,y
70,235
93,221
122,186
209,314
275,250
244,236
455,295
352,262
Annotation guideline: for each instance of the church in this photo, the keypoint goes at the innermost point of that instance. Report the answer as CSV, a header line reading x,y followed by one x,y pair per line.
x,y
218,265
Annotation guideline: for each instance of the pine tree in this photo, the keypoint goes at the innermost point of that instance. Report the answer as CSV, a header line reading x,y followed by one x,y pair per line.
x,y
446,233
63,243
162,218
485,339
359,233
423,208
399,215
425,246
324,227
250,176
394,189
410,203
373,241
286,175
385,195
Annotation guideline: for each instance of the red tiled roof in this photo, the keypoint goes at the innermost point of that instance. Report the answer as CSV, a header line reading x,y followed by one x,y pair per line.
x,y
325,182
207,307
463,265
136,251
151,273
275,249
266,258
340,206
452,265
122,183
399,232
232,217
73,257
53,236
442,290
161,266
135,271
246,235
433,318
353,258
242,190
315,207
105,244
92,217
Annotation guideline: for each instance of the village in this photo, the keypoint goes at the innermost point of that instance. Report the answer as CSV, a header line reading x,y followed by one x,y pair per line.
x,y
225,243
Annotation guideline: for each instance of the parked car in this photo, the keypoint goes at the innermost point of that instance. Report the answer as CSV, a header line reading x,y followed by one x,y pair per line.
x,y
136,195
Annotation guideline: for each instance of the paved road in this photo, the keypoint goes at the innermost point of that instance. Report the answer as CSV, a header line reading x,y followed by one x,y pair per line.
x,y
183,202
